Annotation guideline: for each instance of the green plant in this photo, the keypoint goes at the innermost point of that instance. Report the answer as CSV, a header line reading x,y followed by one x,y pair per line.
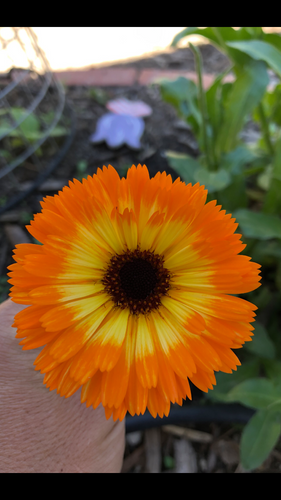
x,y
99,95
30,128
246,179
262,393
4,288
81,167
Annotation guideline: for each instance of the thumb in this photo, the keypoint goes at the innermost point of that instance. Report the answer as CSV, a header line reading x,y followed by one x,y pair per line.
x,y
41,431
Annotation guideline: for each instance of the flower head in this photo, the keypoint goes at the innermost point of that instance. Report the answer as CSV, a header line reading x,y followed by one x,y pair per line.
x,y
132,291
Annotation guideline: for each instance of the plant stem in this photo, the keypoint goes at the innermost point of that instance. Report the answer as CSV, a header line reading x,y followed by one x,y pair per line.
x,y
202,104
265,130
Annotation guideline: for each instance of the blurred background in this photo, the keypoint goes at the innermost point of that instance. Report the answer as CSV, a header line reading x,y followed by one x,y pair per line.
x,y
68,48
227,138
77,47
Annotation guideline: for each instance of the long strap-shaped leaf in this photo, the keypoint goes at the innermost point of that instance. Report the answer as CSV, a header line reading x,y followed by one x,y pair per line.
x,y
272,202
244,96
260,50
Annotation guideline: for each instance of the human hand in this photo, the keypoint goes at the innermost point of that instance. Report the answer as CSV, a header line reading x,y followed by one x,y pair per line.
x,y
41,431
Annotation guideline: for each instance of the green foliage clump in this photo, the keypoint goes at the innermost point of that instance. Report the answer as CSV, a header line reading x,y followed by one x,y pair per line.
x,y
244,177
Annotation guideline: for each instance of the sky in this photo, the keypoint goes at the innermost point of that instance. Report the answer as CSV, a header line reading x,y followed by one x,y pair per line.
x,y
77,47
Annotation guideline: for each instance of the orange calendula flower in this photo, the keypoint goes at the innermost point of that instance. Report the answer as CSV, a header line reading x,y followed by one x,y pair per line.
x,y
132,292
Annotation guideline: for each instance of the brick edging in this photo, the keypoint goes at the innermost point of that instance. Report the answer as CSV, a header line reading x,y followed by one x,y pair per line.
x,y
107,77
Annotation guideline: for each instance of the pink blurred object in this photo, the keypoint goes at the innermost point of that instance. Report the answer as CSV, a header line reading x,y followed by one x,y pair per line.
x,y
132,108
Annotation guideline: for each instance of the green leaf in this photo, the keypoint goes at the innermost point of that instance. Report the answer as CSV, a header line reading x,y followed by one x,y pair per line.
x,y
227,381
273,39
273,370
182,94
30,125
16,141
255,32
261,344
213,181
183,34
48,117
99,95
58,131
214,104
123,169
219,36
235,160
169,462
245,94
234,196
205,130
261,297
5,154
272,202
261,51
82,166
184,165
256,393
273,326
274,106
277,276
17,113
270,249
258,225
179,89
4,128
259,437
225,33
264,179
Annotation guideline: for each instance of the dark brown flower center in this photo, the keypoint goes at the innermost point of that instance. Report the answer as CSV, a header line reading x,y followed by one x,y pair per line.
x,y
137,280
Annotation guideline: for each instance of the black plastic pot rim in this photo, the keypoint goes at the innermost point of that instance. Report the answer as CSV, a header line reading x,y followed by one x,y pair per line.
x,y
216,413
